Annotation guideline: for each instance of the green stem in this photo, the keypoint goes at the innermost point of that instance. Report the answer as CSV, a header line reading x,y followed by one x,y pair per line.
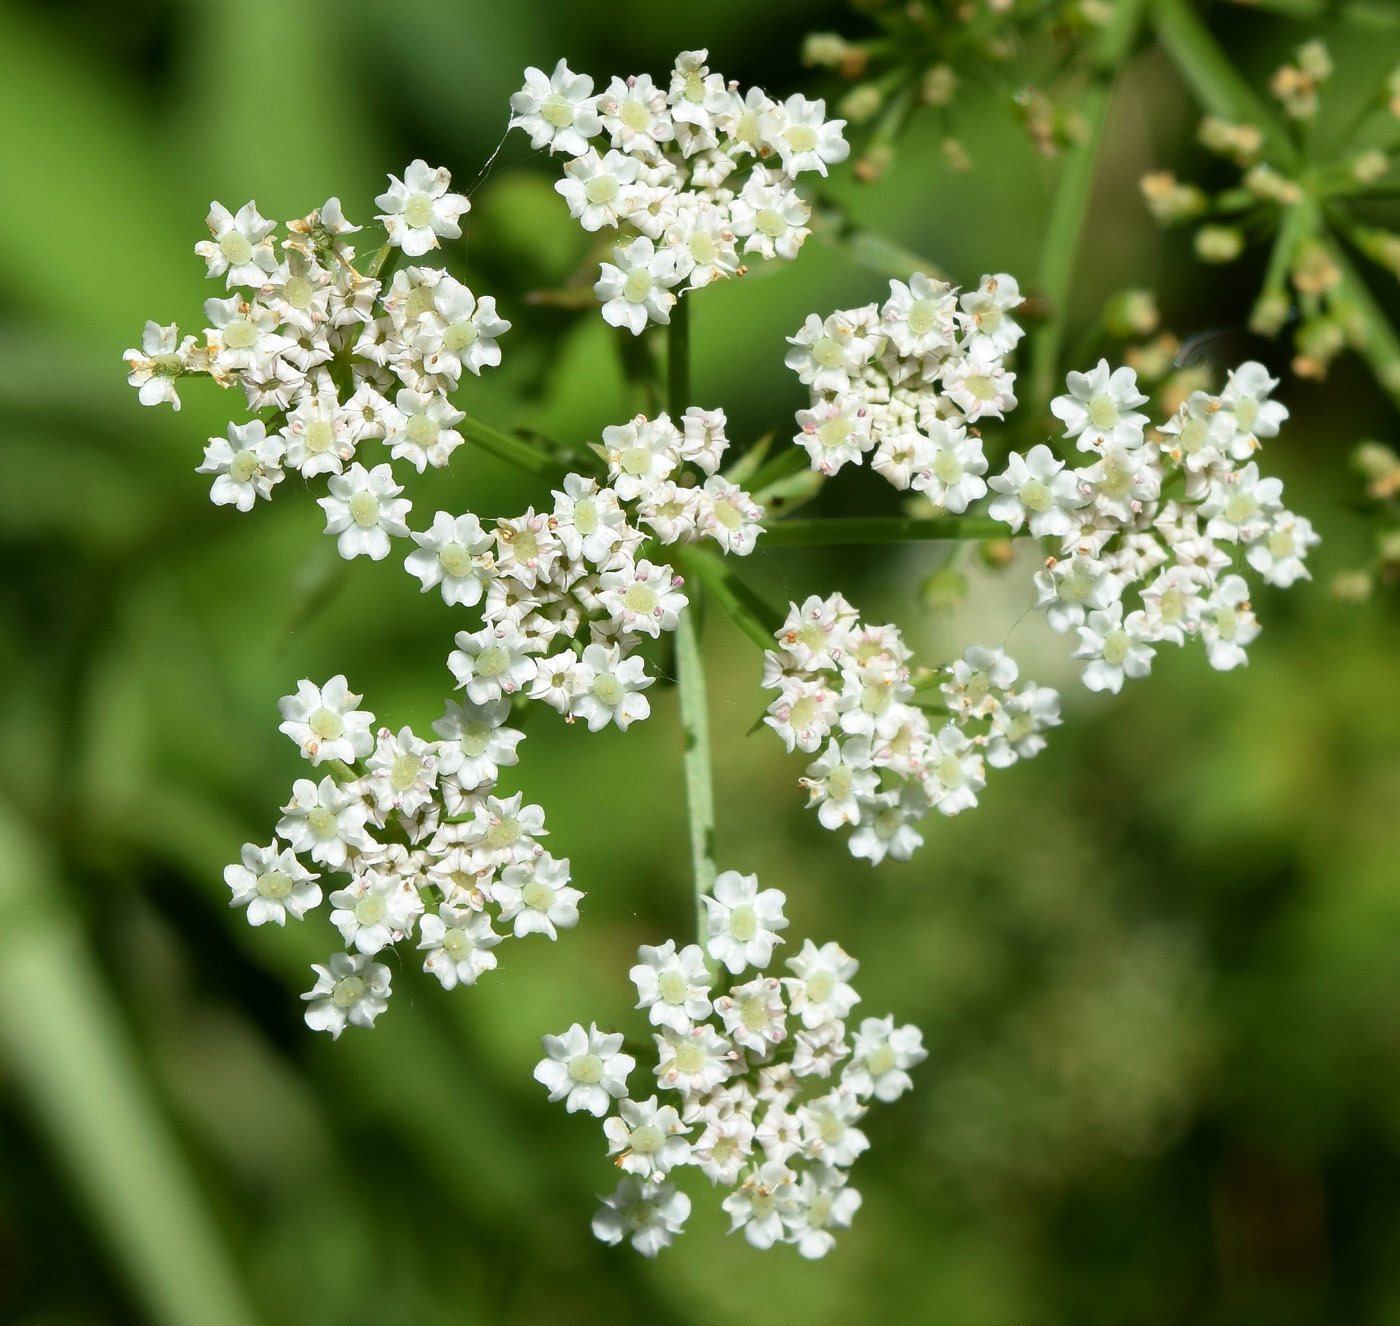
x,y
1382,346
881,529
1070,207
508,448
1211,75
699,788
728,593
678,359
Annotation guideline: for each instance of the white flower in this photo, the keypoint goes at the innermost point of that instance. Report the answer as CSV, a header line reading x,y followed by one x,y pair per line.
x,y
952,476
758,1205
806,140
418,209
1098,412
918,317
650,1214
648,1140
821,992
979,385
754,1014
458,942
154,367
882,1058
672,986
1115,647
643,598
1035,487
454,553
459,332
803,713
835,432
375,910
364,509
634,112
271,883
889,830
828,1128
324,723
1241,505
692,1062
324,820
1228,625
475,743
350,988
823,1202
1200,433
240,246
724,1148
424,434
984,314
827,353
491,663
743,923
402,772
599,190
1246,396
558,112
610,688
1018,722
1278,553
770,216
1171,604
588,521
247,464
244,335
841,782
536,897
318,436
956,773
818,634
640,453
636,288
730,516
1068,588
585,1069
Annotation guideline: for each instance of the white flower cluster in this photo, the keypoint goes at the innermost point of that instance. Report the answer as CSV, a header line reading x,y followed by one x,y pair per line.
x,y
338,357
846,689
421,839
697,173
762,1092
1150,538
905,381
568,595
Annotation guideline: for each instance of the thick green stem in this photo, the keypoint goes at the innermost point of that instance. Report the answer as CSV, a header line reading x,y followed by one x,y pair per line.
x,y
690,668
821,532
699,788
1070,207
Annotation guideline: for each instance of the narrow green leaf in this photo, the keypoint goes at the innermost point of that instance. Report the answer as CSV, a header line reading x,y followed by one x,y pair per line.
x,y
62,1041
755,618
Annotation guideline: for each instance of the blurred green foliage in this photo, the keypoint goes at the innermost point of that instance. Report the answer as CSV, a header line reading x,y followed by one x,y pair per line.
x,y
1157,969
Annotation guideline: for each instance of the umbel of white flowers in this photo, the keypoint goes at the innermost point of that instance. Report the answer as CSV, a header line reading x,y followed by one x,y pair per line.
x,y
696,177
757,1087
1142,540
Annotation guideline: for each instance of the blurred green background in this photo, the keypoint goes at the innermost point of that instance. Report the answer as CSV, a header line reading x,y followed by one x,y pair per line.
x,y
1156,970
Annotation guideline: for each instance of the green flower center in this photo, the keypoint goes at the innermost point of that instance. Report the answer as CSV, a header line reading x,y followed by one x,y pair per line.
x,y
418,211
